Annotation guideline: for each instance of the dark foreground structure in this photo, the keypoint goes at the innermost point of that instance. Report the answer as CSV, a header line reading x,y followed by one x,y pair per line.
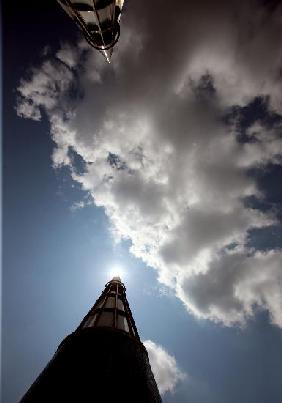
x,y
102,361
98,20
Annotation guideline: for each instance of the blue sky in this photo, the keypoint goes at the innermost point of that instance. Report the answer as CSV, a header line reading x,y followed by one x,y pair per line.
x,y
56,259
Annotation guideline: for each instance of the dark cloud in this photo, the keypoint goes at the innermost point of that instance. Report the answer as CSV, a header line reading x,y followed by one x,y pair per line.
x,y
236,285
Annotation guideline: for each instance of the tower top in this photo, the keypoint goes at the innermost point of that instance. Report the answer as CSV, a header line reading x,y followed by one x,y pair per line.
x,y
112,311
116,278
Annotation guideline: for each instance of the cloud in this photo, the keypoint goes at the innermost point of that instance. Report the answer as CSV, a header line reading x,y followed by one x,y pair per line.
x,y
235,286
42,90
168,151
68,56
164,367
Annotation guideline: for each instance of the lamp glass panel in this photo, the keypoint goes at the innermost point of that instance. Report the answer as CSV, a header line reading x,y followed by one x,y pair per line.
x,y
111,302
106,319
122,323
120,305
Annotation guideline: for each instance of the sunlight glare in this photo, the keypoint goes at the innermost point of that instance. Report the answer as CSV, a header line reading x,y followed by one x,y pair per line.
x,y
117,271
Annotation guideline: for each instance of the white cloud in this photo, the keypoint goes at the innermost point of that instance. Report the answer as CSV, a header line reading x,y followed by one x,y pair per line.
x,y
164,367
161,160
68,56
43,89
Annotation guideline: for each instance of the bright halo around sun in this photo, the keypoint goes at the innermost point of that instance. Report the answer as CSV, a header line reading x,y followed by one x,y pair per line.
x,y
117,271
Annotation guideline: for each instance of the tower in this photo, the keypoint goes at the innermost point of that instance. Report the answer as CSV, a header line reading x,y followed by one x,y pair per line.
x,y
102,361
98,20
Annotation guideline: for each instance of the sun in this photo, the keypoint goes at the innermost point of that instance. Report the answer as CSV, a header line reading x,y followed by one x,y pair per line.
x,y
117,271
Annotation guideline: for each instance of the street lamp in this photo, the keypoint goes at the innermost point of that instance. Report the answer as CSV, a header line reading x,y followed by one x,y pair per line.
x,y
98,20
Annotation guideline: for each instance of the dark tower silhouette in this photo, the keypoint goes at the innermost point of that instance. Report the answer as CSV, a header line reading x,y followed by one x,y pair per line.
x,y
103,360
98,20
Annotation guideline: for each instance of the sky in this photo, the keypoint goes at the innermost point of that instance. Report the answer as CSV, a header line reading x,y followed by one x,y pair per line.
x,y
165,163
